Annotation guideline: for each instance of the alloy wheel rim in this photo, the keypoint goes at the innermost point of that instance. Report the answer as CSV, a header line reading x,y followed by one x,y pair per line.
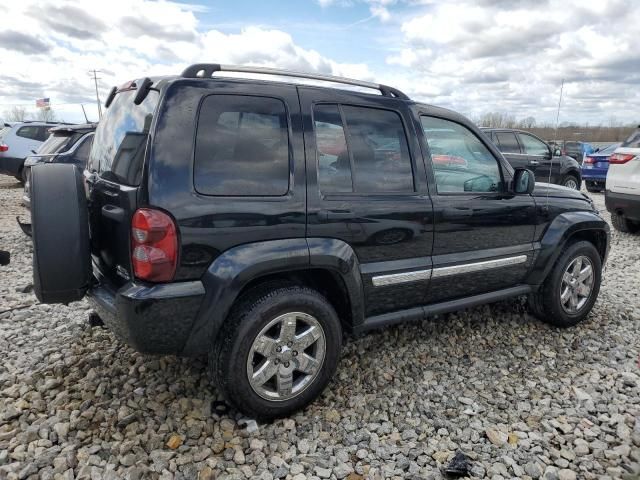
x,y
577,284
286,356
571,183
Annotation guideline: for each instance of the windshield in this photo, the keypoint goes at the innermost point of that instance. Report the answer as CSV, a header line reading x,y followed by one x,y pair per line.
x,y
633,141
120,141
56,143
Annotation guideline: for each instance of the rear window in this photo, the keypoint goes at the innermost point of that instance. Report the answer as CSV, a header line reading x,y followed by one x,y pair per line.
x,y
57,143
633,141
242,147
121,138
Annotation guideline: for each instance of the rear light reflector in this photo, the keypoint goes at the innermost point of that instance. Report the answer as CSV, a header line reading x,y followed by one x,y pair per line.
x,y
621,158
154,245
3,147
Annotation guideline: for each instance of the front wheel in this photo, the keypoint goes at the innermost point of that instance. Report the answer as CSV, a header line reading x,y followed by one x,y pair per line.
x,y
623,224
277,351
571,288
571,181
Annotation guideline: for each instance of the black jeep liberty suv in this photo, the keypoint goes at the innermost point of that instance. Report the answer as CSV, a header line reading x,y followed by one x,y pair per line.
x,y
255,221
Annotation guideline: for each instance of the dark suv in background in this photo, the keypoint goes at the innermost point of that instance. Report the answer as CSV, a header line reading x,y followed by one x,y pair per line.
x,y
525,150
255,221
69,144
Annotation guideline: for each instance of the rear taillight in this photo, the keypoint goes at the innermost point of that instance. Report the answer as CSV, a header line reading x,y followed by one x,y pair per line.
x,y
621,158
154,245
3,147
589,160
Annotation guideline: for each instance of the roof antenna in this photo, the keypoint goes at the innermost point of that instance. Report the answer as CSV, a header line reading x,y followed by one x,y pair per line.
x,y
555,138
85,113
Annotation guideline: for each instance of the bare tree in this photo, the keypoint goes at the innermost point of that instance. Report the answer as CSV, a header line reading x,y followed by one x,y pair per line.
x,y
16,114
46,115
528,122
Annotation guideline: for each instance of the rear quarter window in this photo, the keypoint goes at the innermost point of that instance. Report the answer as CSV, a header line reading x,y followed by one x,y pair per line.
x,y
242,147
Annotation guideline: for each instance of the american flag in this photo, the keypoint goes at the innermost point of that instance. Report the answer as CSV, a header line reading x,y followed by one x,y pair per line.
x,y
42,103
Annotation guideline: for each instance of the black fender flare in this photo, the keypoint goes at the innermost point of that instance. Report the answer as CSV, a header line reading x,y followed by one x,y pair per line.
x,y
231,271
558,233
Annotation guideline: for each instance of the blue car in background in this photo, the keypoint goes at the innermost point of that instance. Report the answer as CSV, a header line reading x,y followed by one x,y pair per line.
x,y
595,166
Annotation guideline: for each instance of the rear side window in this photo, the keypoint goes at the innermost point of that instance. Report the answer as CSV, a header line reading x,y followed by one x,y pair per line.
x,y
508,142
633,141
242,147
373,155
31,132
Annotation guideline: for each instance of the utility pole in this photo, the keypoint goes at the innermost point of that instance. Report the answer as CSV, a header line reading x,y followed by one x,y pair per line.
x,y
95,81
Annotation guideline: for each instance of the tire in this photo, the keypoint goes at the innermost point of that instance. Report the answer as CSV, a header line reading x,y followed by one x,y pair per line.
x,y
60,233
229,364
571,181
623,224
547,304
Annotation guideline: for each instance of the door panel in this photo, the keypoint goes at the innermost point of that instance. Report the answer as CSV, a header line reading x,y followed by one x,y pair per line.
x,y
359,156
482,239
540,159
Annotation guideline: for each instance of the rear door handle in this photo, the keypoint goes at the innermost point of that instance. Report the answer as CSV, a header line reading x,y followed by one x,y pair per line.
x,y
334,214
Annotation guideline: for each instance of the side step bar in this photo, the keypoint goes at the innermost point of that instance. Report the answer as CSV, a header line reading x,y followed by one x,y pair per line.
x,y
420,313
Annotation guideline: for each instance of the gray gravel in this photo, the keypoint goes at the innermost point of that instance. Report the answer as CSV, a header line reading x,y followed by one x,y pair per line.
x,y
521,399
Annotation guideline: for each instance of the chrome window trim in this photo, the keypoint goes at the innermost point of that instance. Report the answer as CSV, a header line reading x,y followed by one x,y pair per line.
x,y
417,275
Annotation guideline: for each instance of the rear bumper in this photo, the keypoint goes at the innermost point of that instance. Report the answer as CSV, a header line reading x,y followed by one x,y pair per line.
x,y
151,318
628,205
11,165
594,174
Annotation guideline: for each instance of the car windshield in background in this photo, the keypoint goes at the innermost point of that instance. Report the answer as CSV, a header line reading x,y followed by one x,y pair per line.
x,y
56,143
633,141
121,137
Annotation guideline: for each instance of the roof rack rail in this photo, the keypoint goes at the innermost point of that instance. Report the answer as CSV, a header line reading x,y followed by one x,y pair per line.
x,y
206,70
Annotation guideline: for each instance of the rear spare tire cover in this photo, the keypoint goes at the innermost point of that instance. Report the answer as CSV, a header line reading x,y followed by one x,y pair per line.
x,y
60,228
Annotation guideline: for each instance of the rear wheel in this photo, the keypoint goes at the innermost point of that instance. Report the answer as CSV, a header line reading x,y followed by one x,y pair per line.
x,y
571,288
571,181
623,224
277,350
60,233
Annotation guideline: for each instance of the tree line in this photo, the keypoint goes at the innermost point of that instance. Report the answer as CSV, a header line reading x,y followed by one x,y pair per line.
x,y
612,131
20,114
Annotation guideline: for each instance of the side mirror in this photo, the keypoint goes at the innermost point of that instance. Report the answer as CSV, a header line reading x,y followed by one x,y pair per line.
x,y
548,155
524,181
557,152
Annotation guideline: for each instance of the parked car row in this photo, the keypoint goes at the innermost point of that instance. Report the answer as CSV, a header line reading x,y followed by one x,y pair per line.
x,y
18,140
254,221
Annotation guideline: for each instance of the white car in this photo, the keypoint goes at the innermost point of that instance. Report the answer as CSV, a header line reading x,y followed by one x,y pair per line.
x,y
18,140
622,194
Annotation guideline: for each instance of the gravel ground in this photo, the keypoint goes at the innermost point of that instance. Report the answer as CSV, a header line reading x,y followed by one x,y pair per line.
x,y
521,399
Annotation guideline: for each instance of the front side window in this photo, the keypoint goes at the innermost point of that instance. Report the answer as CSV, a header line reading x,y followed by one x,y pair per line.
x,y
533,146
373,155
242,147
508,142
461,162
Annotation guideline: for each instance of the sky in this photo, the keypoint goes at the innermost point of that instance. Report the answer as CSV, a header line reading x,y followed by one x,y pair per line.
x,y
471,56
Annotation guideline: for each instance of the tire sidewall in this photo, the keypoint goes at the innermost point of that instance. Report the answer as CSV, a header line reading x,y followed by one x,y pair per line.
x,y
231,364
569,177
562,318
